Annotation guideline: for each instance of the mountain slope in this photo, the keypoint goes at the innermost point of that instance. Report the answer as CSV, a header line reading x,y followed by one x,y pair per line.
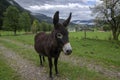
x,y
4,5
41,17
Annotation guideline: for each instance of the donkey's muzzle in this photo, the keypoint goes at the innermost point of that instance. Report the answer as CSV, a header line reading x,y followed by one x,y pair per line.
x,y
67,49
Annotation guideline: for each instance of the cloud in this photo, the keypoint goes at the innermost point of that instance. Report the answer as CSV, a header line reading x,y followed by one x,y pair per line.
x,y
79,8
52,6
49,9
98,2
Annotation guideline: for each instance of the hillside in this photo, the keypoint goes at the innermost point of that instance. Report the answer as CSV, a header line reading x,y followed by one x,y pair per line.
x,y
42,17
4,5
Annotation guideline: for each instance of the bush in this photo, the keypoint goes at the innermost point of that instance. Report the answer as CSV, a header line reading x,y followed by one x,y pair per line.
x,y
106,28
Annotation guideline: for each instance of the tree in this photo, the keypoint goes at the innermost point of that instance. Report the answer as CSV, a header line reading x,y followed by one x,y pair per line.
x,y
11,19
106,28
44,26
109,10
35,26
50,27
40,28
25,21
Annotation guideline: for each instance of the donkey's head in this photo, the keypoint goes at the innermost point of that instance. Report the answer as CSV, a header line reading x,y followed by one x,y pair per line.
x,y
61,33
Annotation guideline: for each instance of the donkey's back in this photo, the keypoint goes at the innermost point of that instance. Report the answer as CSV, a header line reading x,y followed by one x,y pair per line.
x,y
39,36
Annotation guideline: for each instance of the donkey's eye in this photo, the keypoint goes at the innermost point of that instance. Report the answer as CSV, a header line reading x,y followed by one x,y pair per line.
x,y
59,35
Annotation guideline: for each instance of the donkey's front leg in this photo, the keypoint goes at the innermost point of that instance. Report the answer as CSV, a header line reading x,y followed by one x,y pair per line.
x,y
50,66
55,63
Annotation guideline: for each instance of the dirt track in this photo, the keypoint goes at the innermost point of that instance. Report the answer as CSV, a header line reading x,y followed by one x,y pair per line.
x,y
26,69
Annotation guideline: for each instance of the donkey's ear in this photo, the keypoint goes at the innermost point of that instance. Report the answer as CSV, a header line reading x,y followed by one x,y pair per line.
x,y
66,22
56,18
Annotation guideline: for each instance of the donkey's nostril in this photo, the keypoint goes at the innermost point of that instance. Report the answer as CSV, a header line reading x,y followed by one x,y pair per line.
x,y
69,51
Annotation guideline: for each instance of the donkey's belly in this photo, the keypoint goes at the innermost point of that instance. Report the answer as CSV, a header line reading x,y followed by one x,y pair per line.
x,y
43,54
50,54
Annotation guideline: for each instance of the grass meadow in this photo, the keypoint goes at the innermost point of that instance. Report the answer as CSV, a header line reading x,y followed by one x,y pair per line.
x,y
97,48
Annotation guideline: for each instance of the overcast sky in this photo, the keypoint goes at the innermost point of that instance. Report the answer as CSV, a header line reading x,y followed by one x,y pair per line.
x,y
79,8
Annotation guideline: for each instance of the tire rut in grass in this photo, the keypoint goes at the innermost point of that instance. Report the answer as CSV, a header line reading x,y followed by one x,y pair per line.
x,y
91,66
79,62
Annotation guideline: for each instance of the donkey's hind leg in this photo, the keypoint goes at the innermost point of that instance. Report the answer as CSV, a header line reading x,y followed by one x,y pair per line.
x,y
41,62
43,58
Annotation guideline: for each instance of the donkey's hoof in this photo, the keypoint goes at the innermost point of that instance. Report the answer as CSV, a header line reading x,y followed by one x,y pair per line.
x,y
58,75
51,78
41,65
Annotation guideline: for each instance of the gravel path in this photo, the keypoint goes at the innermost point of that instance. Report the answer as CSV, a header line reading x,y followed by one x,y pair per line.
x,y
26,69
76,61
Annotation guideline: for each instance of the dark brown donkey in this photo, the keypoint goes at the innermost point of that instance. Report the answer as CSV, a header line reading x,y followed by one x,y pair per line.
x,y
52,44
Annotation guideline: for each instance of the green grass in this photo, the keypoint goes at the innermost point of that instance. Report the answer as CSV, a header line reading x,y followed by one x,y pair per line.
x,y
78,73
6,72
97,48
66,69
100,51
26,39
10,33
92,35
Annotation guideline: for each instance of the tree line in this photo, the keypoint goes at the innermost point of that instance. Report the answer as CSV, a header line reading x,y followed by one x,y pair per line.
x,y
14,20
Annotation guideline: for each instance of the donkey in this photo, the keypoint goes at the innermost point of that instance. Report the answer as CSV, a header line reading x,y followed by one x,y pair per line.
x,y
52,44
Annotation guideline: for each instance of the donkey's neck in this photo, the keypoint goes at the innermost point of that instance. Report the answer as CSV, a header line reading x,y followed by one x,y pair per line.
x,y
53,38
